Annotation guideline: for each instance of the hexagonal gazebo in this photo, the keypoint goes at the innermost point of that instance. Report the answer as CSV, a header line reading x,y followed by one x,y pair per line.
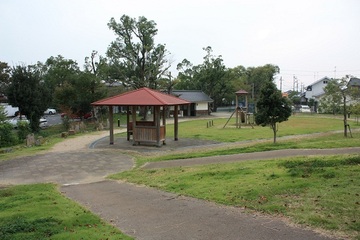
x,y
154,131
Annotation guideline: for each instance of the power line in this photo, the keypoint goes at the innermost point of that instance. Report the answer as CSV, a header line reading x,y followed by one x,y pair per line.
x,y
312,71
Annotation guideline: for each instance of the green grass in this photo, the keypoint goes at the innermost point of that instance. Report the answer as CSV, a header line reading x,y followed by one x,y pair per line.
x,y
296,125
39,211
329,140
322,192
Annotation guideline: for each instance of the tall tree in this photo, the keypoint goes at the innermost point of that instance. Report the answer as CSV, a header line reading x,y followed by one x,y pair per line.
x,y
186,75
76,96
28,92
272,107
55,72
139,61
258,76
211,77
4,76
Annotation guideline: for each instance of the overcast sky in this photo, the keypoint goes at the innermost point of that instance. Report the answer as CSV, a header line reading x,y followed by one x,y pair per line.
x,y
308,39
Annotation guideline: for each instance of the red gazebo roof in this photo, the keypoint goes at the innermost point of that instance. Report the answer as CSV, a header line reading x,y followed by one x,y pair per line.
x,y
141,97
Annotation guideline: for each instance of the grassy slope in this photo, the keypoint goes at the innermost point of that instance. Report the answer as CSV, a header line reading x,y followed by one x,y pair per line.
x,y
321,192
39,211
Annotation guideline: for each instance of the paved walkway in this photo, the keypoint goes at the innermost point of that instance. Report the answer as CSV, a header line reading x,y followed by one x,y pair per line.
x,y
72,167
147,213
251,156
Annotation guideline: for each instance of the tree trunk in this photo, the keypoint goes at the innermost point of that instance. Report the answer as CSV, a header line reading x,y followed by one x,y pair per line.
x,y
273,126
345,116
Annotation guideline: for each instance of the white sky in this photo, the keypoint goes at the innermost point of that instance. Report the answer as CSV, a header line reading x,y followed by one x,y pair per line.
x,y
306,38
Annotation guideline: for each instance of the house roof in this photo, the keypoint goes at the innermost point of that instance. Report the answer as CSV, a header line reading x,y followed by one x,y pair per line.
x,y
320,80
194,96
354,82
141,97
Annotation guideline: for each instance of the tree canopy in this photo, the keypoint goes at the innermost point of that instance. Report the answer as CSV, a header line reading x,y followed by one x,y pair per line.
x,y
4,77
211,77
272,107
72,90
29,93
337,96
137,60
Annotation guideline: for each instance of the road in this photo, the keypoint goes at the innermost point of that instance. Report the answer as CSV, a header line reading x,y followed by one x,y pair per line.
x,y
53,119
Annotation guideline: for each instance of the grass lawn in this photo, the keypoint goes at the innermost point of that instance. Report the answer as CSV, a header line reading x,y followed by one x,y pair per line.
x,y
296,125
321,192
39,211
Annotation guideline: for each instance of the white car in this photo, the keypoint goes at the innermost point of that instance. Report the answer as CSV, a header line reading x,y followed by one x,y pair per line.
x,y
14,121
50,111
305,109
43,123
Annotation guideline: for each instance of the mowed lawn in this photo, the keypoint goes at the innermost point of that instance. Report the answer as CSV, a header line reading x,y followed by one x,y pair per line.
x,y
40,211
322,192
296,125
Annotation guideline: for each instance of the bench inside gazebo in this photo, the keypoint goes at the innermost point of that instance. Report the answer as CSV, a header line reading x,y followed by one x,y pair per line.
x,y
149,132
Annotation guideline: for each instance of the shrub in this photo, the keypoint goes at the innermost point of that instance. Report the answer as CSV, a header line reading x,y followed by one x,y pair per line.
x,y
7,136
23,130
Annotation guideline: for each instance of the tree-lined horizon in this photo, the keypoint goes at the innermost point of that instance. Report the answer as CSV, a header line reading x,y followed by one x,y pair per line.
x,y
134,60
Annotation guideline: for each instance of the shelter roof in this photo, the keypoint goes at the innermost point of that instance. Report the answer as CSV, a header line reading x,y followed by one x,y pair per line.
x,y
141,97
241,92
194,96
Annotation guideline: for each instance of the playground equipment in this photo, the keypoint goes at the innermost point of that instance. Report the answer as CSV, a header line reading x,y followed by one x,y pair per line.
x,y
241,110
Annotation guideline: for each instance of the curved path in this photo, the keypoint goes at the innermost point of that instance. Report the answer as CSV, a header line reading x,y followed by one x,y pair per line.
x,y
251,156
64,168
143,212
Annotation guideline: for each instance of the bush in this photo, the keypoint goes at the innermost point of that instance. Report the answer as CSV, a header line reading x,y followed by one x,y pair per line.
x,y
66,122
7,136
23,130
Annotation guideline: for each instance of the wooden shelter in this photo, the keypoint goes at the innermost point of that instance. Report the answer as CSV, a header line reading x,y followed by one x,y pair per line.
x,y
154,131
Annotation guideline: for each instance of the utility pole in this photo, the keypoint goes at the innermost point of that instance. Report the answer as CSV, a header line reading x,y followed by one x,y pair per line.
x,y
281,84
295,84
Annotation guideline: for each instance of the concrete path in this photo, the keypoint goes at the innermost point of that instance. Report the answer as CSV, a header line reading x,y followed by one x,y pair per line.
x,y
251,156
149,214
64,168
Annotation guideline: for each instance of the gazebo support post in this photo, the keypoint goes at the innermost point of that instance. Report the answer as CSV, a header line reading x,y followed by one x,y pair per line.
x,y
237,111
127,122
164,121
157,124
176,122
133,119
111,122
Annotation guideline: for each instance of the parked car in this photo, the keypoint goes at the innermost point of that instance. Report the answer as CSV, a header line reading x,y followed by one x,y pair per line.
x,y
9,110
50,111
14,121
305,109
43,123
